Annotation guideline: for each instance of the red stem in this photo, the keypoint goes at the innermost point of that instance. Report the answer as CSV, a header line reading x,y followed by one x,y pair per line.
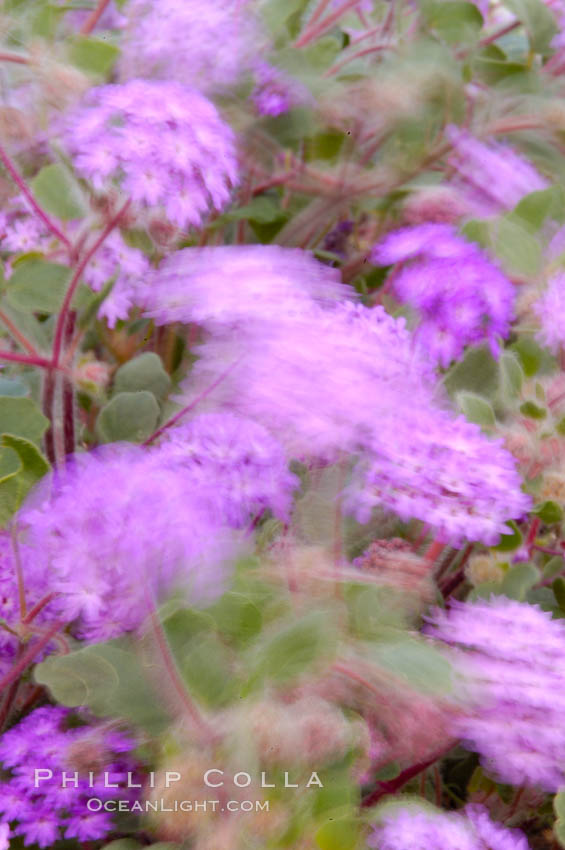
x,y
68,395
94,17
62,317
313,32
190,406
29,655
13,357
22,186
14,57
39,606
17,334
391,787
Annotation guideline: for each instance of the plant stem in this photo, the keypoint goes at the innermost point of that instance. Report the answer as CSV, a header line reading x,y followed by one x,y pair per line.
x,y
171,668
94,17
319,28
14,57
68,395
39,606
190,406
19,573
26,359
391,787
358,55
17,334
23,187
29,655
499,33
47,403
62,317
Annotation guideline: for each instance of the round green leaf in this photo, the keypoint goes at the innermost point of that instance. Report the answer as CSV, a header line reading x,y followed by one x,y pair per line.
x,y
144,372
128,416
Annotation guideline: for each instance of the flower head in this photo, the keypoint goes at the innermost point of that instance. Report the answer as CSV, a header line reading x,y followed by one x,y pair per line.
x,y
135,527
246,463
224,286
550,309
422,829
37,750
511,654
460,296
179,41
165,145
494,177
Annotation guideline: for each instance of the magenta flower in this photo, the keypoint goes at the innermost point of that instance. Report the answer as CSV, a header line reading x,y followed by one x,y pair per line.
x,y
127,267
178,40
164,145
493,177
550,309
348,379
134,526
460,296
511,655
227,285
42,811
246,464
413,828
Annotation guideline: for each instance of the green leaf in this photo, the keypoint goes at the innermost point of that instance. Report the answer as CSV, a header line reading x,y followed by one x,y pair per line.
x,y
296,647
12,387
532,410
340,834
538,21
38,286
519,251
519,580
559,832
476,373
455,21
553,567
207,669
476,409
534,208
16,483
549,512
510,541
511,374
262,209
108,678
416,660
22,417
144,372
237,618
93,55
128,416
530,354
58,193
558,588
559,804
477,231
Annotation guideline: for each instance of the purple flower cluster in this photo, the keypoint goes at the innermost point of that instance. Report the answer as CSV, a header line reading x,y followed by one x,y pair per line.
x,y
461,297
166,146
275,92
426,464
137,528
550,309
247,466
493,177
127,266
179,40
21,231
228,285
412,828
40,809
511,655
345,378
